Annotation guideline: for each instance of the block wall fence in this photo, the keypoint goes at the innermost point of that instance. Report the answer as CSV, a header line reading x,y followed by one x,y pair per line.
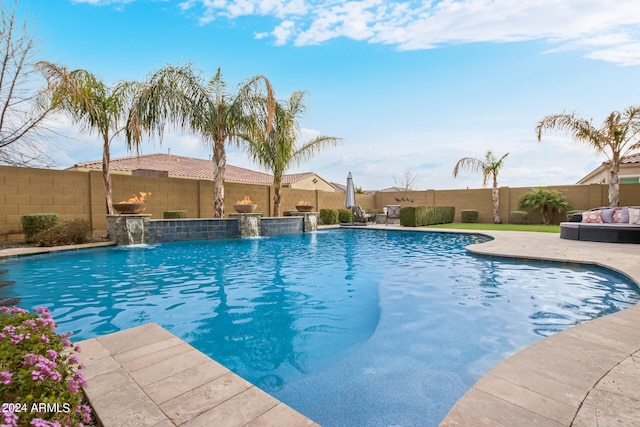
x,y
74,194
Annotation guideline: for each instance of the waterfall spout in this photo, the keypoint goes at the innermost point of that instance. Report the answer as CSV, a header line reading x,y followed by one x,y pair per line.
x,y
135,230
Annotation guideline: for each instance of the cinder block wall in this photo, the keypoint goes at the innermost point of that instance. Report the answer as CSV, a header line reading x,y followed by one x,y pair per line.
x,y
73,194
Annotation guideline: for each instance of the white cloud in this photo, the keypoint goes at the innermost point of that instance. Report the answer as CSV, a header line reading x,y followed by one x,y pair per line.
x,y
607,31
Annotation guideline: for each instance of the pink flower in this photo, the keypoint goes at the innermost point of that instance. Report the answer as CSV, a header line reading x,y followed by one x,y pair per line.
x,y
30,323
5,377
15,339
37,376
53,355
44,339
73,359
39,422
73,386
10,419
86,413
30,359
80,378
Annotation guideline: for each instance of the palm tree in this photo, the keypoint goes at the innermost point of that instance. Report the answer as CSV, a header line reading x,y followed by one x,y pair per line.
x,y
90,103
489,167
177,95
618,137
273,145
548,201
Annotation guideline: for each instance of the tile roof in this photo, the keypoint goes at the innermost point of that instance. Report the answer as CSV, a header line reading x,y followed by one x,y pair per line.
x,y
631,158
190,167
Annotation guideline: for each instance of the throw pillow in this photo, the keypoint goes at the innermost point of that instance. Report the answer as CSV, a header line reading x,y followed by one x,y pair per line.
x,y
621,216
607,215
592,216
634,216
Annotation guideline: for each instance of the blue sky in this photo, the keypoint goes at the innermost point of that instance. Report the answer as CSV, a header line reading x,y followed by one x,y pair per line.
x,y
408,85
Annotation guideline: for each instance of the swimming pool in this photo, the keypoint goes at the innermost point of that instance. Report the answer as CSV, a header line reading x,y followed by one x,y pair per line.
x,y
350,327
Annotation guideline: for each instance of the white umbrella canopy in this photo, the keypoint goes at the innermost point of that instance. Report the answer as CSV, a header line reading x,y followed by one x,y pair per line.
x,y
350,196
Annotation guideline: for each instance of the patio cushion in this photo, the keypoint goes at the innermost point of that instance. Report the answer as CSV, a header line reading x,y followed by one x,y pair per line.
x,y
634,216
621,216
592,216
607,215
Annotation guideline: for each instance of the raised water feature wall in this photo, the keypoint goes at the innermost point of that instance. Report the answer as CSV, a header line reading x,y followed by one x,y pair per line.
x,y
129,229
135,229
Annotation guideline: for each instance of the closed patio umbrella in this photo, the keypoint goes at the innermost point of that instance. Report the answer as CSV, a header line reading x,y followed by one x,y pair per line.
x,y
350,196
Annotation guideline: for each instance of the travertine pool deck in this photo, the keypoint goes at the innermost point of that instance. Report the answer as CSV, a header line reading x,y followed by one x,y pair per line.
x,y
588,375
146,376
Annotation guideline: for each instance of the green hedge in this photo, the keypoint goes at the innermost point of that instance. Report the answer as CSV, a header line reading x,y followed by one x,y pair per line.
x,y
328,216
34,224
416,216
518,217
469,216
344,215
178,214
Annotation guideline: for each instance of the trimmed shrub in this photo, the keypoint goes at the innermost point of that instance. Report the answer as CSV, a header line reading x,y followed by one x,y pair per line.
x,y
328,216
416,216
518,217
70,233
179,214
344,216
39,367
34,224
469,216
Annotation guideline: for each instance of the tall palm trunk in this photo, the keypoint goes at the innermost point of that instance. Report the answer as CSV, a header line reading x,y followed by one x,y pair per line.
x,y
495,196
106,175
277,195
614,183
219,165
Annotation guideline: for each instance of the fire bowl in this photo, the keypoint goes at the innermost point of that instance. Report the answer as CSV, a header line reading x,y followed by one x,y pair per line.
x,y
245,208
304,208
129,208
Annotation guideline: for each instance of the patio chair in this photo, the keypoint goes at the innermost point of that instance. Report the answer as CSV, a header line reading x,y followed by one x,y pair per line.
x,y
393,213
359,214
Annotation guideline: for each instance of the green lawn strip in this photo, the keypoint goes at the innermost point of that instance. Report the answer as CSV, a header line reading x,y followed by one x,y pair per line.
x,y
505,227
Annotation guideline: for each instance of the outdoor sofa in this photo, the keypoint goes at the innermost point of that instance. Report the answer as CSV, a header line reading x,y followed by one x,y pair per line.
x,y
611,225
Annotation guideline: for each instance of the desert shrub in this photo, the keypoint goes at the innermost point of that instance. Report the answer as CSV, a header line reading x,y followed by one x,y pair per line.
x,y
70,233
34,224
518,217
328,216
178,214
345,216
416,216
40,375
469,216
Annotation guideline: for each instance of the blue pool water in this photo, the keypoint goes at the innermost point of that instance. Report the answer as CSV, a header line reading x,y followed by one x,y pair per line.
x,y
350,327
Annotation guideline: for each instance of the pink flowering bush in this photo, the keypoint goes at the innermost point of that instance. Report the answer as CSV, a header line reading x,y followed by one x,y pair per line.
x,y
40,378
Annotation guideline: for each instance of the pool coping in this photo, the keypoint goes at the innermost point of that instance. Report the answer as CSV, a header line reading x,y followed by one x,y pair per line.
x,y
586,375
